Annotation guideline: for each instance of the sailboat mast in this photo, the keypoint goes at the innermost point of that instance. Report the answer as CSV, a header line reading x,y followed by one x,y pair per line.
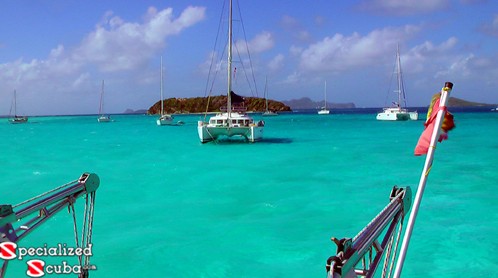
x,y
162,101
398,72
266,92
102,99
15,103
229,101
325,94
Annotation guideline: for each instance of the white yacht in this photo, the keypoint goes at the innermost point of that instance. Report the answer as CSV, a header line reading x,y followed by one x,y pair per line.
x,y
103,118
268,112
324,110
232,120
397,112
164,119
17,119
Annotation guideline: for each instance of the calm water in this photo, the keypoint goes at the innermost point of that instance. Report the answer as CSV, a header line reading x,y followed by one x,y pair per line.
x,y
169,206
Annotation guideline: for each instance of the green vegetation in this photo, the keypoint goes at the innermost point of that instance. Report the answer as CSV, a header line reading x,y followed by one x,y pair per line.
x,y
199,105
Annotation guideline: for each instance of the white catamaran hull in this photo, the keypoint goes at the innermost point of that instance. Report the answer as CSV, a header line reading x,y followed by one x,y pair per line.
x,y
209,133
104,119
393,114
222,125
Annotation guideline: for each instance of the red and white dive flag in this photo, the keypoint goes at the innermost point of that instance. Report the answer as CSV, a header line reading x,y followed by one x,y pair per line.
x,y
448,124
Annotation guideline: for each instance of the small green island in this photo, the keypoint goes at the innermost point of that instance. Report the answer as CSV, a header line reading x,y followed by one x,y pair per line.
x,y
200,105
458,102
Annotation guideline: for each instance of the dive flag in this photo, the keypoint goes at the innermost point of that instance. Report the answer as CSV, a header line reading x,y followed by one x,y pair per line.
x,y
448,124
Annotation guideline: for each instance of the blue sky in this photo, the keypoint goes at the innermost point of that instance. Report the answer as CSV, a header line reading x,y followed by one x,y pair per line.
x,y
55,54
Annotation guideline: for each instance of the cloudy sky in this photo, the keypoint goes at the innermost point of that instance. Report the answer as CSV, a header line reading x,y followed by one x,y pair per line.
x,y
56,53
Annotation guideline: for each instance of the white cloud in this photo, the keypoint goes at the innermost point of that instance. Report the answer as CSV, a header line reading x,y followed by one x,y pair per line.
x,y
341,52
117,45
293,78
276,62
459,67
261,42
114,45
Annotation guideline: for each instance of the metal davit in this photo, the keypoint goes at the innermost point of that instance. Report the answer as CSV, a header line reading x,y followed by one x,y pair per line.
x,y
37,210
362,255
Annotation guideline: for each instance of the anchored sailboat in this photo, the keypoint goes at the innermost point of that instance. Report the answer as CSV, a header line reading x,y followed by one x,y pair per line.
x,y
102,117
268,112
234,121
16,119
398,112
164,119
324,110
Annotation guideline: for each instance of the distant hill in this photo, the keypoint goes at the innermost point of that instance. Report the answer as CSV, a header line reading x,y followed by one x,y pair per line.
x,y
458,102
199,105
254,104
307,103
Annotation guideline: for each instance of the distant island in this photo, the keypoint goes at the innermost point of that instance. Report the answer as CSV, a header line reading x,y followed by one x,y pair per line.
x,y
307,103
200,105
255,104
458,102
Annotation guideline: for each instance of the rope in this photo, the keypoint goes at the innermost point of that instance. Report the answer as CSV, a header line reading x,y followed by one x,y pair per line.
x,y
90,223
86,232
391,268
75,229
388,254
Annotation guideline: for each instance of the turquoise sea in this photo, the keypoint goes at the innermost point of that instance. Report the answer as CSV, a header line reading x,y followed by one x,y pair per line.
x,y
169,206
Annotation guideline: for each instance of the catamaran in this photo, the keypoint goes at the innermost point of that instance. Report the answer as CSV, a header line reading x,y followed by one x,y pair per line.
x,y
324,110
232,121
398,113
164,119
102,117
17,119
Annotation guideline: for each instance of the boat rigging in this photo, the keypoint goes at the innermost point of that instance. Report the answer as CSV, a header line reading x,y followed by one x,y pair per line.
x,y
232,121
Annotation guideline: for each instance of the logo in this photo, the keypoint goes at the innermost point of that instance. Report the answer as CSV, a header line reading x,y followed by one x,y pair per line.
x,y
38,267
35,268
8,250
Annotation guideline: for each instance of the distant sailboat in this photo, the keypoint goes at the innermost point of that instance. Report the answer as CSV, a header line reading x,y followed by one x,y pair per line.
x,y
234,121
398,113
324,110
164,119
16,119
268,112
102,117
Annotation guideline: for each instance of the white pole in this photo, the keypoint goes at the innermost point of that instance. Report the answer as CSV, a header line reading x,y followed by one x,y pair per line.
x,y
229,100
445,92
162,101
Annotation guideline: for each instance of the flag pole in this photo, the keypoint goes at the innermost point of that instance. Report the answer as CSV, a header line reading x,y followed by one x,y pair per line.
x,y
445,92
